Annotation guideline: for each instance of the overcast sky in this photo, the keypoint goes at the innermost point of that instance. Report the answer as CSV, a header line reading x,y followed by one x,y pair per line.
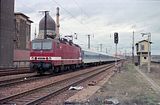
x,y
100,19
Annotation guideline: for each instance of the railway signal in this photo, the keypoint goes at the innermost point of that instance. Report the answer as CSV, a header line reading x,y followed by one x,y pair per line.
x,y
116,42
116,38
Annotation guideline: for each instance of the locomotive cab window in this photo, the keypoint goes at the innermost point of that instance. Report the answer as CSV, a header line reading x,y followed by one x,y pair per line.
x,y
47,45
42,45
36,45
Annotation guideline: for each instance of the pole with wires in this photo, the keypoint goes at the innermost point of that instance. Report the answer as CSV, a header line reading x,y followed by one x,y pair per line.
x,y
89,39
133,48
57,24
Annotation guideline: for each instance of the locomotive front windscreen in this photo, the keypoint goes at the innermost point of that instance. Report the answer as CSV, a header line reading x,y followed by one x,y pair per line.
x,y
36,45
42,45
47,45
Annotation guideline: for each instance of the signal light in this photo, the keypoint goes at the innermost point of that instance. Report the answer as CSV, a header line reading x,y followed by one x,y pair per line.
x,y
116,38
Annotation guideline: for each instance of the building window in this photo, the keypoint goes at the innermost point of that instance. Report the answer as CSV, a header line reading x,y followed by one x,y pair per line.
x,y
142,47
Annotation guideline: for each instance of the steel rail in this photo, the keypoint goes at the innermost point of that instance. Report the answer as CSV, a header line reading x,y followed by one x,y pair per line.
x,y
54,93
26,79
17,81
32,91
14,71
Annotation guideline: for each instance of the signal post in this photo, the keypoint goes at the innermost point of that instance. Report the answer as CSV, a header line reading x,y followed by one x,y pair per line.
x,y
116,42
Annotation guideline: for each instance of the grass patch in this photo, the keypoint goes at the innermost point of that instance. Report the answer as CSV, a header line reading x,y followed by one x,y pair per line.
x,y
144,100
129,88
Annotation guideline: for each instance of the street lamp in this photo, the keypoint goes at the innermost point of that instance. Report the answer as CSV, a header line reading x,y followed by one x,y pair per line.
x,y
149,49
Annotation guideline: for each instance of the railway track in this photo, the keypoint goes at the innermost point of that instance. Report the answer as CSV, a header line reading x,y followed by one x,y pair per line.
x,y
26,79
40,94
23,80
6,72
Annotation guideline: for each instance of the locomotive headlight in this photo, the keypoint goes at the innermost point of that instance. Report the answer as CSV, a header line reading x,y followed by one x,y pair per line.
x,y
32,58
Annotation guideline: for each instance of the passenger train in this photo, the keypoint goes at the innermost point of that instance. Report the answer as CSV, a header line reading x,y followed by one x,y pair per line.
x,y
55,55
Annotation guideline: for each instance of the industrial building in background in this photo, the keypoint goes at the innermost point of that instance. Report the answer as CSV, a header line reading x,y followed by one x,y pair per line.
x,y
15,32
48,25
48,28
22,31
6,33
21,40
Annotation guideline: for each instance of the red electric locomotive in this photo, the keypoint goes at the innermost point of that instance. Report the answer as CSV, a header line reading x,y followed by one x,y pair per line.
x,y
52,55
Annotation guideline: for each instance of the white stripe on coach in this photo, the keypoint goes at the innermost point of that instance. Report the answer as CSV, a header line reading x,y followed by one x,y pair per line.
x,y
51,58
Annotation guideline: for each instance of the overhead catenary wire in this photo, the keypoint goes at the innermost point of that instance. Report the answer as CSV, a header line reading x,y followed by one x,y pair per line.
x,y
82,10
31,9
72,16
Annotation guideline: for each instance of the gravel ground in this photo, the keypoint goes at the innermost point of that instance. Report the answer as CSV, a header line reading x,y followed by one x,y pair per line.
x,y
7,91
59,99
4,78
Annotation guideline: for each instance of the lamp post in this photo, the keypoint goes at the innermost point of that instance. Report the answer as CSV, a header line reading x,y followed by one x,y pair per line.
x,y
149,49
133,44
